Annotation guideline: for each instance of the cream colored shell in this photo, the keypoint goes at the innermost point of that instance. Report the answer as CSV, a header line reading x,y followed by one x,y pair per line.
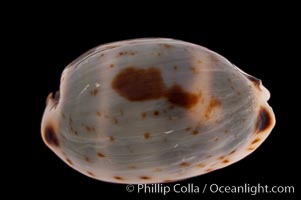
x,y
154,110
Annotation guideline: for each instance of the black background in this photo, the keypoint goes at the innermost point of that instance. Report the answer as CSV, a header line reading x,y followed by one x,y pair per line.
x,y
261,41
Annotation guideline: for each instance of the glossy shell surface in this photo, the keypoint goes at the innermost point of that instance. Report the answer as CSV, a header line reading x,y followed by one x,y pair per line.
x,y
154,110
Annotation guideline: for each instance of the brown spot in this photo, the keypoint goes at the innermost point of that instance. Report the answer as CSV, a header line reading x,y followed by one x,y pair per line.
x,y
200,62
115,120
254,80
251,148
147,136
145,177
264,120
209,170
188,129
118,178
158,54
232,152
176,95
111,138
100,155
175,67
209,156
123,53
94,92
157,170
193,69
156,113
212,105
90,173
139,84
226,131
195,132
168,181
226,161
255,141
221,157
143,115
87,159
51,137
201,165
112,65
89,128
98,114
73,131
121,112
185,164
132,167
216,139
111,47
167,45
69,161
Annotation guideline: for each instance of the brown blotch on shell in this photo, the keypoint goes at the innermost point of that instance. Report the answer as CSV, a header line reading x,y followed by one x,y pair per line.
x,y
232,152
167,45
132,167
98,114
195,132
226,161
51,136
221,157
177,96
115,120
129,53
156,113
185,164
90,173
87,159
143,115
145,177
89,128
118,178
139,84
264,120
69,161
100,155
201,165
213,104
136,84
255,141
209,170
94,92
157,169
111,138
147,135
188,129
168,181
